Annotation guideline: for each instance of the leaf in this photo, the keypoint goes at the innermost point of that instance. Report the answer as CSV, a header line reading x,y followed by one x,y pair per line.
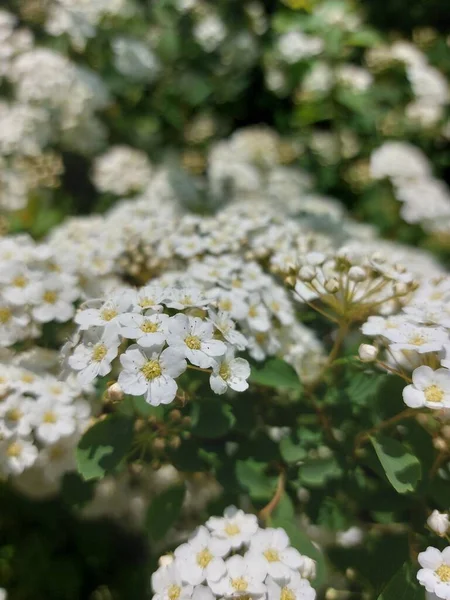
x,y
402,468
403,586
75,491
290,449
104,446
317,471
276,373
252,478
211,418
163,511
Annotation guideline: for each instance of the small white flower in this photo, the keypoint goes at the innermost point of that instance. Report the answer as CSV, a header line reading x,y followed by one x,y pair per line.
x,y
15,415
429,388
151,372
57,459
195,339
420,339
53,299
233,302
235,526
201,558
18,283
257,315
185,298
227,328
168,585
438,522
272,548
52,420
294,588
16,455
148,298
244,575
350,537
13,323
435,572
229,372
107,315
93,357
148,330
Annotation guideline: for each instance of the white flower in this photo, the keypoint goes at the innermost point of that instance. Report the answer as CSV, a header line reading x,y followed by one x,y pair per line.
x,y
15,415
57,459
296,45
420,339
244,575
151,372
54,297
13,323
195,339
168,585
367,353
294,588
272,549
93,357
107,315
235,526
149,330
52,420
18,283
16,455
229,372
438,522
227,328
429,388
201,558
435,572
257,314
233,302
147,298
185,298
350,537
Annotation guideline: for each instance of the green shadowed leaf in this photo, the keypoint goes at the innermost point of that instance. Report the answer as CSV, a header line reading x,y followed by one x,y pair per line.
x,y
403,586
163,511
276,373
401,468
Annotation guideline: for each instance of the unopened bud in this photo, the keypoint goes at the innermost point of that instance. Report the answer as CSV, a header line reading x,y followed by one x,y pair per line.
x,y
307,273
350,574
438,522
440,444
332,286
139,425
315,258
165,560
331,594
357,274
159,444
115,393
175,442
367,353
175,415
308,568
187,421
401,289
290,281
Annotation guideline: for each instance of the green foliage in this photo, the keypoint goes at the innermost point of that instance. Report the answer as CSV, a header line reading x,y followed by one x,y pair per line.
x,y
403,586
164,511
402,468
211,418
276,373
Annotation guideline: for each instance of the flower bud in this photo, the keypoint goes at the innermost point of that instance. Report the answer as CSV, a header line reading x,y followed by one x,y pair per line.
x,y
115,393
438,522
367,353
332,286
307,273
315,258
440,444
159,444
401,288
308,568
175,415
357,274
165,560
331,594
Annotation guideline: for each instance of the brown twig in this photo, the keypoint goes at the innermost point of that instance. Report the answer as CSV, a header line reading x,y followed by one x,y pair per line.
x,y
265,513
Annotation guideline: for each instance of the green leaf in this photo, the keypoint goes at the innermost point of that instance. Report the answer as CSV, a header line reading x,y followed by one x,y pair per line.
x,y
364,38
104,446
163,511
276,373
211,418
290,449
403,586
75,491
402,468
252,478
316,472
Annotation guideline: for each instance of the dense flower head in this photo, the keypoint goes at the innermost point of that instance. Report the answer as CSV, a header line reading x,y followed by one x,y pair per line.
x,y
233,557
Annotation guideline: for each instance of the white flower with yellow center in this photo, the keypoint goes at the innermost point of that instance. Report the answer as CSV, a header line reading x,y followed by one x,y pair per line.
x,y
13,324
147,330
420,339
148,298
187,297
430,389
152,373
236,527
229,372
257,314
435,572
201,558
15,416
16,455
244,577
52,420
18,283
195,339
227,328
93,357
295,588
107,315
272,548
53,299
168,585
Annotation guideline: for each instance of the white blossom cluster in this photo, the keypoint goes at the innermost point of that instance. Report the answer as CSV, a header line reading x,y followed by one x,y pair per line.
x,y
132,165
409,171
41,422
162,343
435,572
36,288
233,557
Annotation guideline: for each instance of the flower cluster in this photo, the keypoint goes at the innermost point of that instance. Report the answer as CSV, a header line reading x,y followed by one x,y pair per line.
x,y
163,342
233,557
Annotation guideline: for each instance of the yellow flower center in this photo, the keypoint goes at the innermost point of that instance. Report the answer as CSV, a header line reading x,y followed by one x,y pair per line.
x,y
146,302
204,558
271,555
174,592
193,342
49,417
56,452
50,297
151,369
99,352
239,584
108,314
417,339
149,327
55,389
5,315
434,393
14,450
232,529
20,281
224,371
443,572
14,414
226,305
287,594
186,300
252,312
28,378
275,306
